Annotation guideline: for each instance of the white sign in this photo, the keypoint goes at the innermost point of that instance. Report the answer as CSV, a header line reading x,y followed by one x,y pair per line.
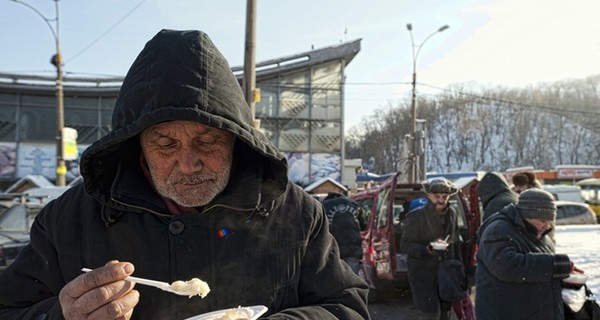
x,y
69,139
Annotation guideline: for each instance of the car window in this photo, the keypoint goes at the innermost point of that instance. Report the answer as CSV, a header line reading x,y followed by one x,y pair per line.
x,y
382,215
366,205
569,211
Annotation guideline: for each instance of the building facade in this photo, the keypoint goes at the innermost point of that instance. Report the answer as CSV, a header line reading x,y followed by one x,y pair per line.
x,y
301,110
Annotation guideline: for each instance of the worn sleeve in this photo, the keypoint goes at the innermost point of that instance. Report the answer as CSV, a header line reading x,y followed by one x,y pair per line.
x,y
328,289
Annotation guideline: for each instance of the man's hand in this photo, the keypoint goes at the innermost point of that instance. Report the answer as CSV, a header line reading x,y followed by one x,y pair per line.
x,y
100,294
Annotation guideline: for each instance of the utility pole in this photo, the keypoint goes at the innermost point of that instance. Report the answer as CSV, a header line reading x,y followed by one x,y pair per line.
x,y
417,171
57,61
249,80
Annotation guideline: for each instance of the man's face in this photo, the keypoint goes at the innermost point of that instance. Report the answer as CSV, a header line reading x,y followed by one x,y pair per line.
x,y
189,162
542,226
439,199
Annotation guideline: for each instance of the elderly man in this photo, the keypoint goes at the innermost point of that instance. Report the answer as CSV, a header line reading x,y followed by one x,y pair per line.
x,y
518,273
182,187
436,220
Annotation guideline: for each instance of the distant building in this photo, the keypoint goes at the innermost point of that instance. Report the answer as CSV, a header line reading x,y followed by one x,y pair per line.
x,y
301,109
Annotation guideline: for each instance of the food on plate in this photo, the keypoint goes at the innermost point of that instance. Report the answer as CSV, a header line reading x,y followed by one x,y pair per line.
x,y
439,244
237,314
192,287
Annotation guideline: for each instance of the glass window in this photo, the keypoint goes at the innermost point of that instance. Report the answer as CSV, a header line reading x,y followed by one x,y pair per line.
x,y
108,103
81,102
325,106
8,124
326,136
8,99
366,205
30,100
382,211
37,124
326,93
269,100
294,95
294,136
330,73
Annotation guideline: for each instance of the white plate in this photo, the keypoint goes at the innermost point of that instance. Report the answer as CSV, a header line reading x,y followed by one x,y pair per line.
x,y
255,311
576,279
439,245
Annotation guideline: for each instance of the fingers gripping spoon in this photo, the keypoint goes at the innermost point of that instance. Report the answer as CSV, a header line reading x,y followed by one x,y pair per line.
x,y
189,288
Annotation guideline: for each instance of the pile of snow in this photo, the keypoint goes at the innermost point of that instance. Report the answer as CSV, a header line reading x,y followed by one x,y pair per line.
x,y
582,244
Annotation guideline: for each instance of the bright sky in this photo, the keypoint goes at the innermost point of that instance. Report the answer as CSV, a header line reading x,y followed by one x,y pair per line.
x,y
490,42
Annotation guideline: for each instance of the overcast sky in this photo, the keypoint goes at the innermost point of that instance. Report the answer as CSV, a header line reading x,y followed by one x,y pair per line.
x,y
503,42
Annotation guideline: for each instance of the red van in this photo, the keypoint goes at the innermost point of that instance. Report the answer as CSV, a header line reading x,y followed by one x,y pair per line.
x,y
383,263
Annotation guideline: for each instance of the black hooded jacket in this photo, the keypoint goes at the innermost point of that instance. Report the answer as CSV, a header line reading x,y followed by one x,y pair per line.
x,y
495,193
262,241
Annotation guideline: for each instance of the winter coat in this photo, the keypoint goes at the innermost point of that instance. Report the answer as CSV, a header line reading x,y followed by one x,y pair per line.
x,y
421,227
518,276
262,241
343,215
495,193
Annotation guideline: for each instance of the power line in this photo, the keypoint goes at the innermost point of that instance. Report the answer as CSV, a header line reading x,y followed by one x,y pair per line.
x,y
106,32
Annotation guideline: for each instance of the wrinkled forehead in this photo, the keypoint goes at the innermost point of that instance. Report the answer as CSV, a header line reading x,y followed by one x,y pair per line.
x,y
178,127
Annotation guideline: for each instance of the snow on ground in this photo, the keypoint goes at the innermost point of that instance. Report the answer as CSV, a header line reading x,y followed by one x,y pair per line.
x,y
582,244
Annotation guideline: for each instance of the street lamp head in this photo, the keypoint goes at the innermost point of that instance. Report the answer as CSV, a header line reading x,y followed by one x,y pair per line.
x,y
409,26
444,27
56,60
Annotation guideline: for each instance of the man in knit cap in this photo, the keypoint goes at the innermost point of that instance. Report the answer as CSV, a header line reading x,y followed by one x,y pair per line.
x,y
434,221
518,273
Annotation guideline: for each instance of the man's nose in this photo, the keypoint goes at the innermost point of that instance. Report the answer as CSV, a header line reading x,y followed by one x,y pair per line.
x,y
189,161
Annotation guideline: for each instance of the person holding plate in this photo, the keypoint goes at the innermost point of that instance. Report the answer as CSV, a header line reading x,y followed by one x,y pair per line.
x,y
518,272
432,225
182,187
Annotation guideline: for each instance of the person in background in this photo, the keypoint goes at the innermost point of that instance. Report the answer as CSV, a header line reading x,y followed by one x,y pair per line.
x,y
345,223
495,193
436,220
524,180
414,204
182,187
518,272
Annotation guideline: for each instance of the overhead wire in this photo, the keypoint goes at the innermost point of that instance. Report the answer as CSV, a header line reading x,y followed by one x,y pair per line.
x,y
106,32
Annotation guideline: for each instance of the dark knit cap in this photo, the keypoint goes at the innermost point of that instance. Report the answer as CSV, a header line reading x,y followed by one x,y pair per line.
x,y
537,204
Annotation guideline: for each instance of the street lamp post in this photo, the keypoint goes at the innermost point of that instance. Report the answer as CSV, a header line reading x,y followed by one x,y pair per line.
x,y
414,174
56,60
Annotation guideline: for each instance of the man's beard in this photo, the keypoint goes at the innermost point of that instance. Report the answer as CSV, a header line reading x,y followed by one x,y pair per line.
x,y
441,209
180,188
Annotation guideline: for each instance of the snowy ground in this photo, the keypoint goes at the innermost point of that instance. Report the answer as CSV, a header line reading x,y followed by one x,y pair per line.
x,y
582,244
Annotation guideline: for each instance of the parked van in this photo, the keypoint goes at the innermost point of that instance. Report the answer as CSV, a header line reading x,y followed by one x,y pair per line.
x,y
383,264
